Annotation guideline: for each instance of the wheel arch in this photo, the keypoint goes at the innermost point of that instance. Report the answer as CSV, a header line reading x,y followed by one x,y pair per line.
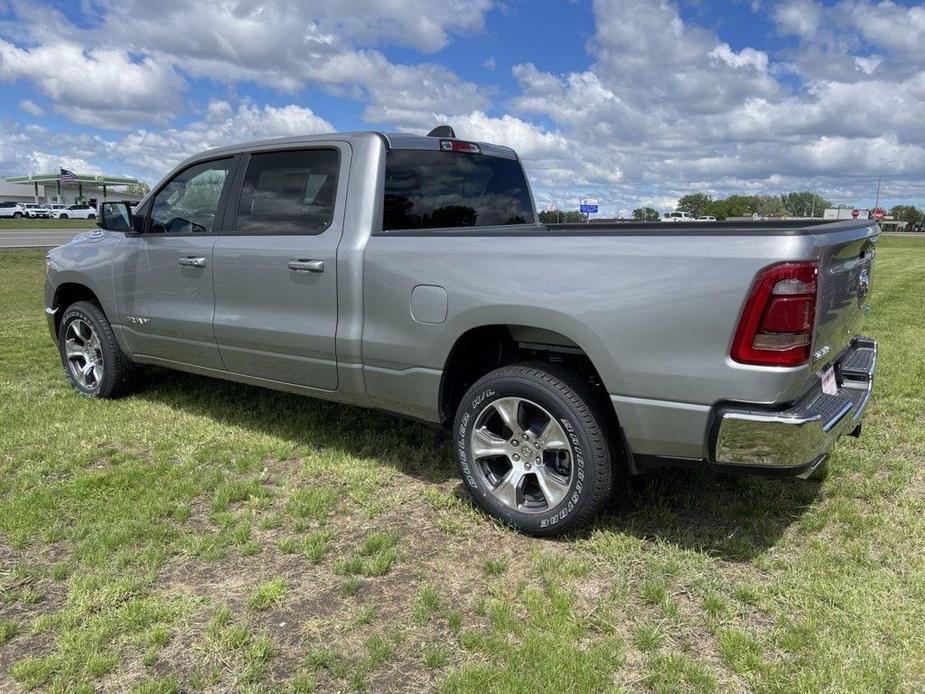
x,y
68,293
483,348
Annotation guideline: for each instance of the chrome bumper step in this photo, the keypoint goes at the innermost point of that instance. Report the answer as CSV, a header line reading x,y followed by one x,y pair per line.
x,y
793,438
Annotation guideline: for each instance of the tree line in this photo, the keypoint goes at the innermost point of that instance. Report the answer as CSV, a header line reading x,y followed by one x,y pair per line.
x,y
796,204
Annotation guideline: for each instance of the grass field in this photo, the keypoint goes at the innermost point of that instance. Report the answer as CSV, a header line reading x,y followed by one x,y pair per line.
x,y
11,224
202,535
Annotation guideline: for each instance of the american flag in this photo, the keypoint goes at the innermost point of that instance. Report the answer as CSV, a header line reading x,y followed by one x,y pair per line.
x,y
68,176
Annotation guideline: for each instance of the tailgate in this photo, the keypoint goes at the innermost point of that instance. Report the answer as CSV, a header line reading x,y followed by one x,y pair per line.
x,y
846,254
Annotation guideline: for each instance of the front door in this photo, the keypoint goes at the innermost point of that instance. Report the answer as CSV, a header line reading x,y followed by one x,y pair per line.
x,y
163,276
275,267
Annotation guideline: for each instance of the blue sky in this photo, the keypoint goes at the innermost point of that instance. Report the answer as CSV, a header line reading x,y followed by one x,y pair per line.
x,y
633,101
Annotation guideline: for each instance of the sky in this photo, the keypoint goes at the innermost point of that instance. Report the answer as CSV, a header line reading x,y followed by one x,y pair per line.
x,y
635,102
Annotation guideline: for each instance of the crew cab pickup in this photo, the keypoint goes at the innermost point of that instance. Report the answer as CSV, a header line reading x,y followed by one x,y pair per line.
x,y
409,273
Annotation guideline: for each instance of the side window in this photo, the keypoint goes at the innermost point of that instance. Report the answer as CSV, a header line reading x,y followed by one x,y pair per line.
x,y
189,203
288,193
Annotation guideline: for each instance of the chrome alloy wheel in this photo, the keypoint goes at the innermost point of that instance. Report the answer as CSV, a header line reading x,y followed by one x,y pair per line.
x,y
83,353
523,455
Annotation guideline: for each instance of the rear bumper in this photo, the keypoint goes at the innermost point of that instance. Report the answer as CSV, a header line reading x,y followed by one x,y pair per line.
x,y
797,438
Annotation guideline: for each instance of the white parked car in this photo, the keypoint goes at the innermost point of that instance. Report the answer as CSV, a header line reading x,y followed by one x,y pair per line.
x,y
678,217
33,209
706,218
16,210
79,211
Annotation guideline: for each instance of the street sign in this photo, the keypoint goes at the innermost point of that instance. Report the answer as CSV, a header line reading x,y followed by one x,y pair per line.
x,y
587,205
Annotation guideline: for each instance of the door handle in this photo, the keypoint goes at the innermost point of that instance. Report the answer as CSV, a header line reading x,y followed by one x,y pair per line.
x,y
303,265
191,261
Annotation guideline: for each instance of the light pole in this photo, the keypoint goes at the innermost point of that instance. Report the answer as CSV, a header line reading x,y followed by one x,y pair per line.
x,y
879,181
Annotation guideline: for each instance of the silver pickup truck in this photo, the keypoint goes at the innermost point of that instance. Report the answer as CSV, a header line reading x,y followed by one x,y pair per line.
x,y
409,273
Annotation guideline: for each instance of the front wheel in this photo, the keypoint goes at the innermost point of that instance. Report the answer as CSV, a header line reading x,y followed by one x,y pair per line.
x,y
92,360
62,216
17,215
532,448
91,216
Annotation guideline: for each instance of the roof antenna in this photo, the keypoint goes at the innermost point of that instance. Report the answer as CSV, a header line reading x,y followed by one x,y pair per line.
x,y
442,131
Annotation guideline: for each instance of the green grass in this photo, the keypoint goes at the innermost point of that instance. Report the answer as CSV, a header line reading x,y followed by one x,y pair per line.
x,y
203,535
267,595
47,224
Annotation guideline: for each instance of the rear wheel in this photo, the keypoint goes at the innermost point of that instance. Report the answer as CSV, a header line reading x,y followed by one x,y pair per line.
x,y
92,360
91,216
532,448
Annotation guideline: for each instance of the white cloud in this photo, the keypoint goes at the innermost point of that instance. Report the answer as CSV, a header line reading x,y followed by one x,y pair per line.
x,y
675,108
133,73
867,64
96,86
802,18
887,25
150,154
747,57
32,108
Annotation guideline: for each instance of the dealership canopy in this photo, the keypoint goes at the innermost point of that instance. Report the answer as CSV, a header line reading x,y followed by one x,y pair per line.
x,y
94,180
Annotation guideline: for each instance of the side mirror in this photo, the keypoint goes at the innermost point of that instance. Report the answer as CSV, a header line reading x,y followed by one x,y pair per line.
x,y
115,216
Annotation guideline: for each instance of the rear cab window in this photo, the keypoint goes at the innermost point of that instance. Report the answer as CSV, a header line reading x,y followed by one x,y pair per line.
x,y
435,189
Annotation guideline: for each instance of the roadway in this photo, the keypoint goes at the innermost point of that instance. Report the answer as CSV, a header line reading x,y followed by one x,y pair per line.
x,y
36,238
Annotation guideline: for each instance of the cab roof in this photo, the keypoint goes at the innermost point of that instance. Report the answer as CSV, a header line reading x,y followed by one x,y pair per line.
x,y
391,141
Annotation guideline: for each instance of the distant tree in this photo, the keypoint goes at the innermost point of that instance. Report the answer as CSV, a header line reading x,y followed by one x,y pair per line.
x,y
908,213
138,189
770,206
695,204
805,203
646,214
733,206
561,217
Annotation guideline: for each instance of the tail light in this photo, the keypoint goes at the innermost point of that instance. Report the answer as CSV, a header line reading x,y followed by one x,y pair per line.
x,y
776,327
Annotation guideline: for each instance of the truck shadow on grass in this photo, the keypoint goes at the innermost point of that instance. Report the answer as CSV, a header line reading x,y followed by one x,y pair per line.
x,y
731,517
735,518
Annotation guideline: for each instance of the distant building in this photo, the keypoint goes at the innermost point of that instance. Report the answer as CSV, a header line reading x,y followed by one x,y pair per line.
x,y
845,213
90,188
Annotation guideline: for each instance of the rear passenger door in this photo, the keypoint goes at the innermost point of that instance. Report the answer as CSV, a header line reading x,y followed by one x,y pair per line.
x,y
275,266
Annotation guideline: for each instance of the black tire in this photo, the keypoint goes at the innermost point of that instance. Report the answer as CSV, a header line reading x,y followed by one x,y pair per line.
x,y
117,369
62,216
580,413
91,216
17,215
